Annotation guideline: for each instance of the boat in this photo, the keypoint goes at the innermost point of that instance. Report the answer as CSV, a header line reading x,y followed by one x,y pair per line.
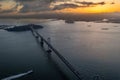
x,y
105,28
69,21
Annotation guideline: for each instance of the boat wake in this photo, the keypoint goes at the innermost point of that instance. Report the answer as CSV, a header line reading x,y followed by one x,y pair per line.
x,y
17,76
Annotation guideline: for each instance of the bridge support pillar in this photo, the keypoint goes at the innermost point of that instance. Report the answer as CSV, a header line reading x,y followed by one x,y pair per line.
x,y
49,50
42,42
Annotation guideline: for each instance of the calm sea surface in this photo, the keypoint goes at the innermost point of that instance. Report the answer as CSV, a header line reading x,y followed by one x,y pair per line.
x,y
92,48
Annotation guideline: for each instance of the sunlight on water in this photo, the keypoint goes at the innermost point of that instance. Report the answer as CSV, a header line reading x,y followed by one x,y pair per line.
x,y
90,48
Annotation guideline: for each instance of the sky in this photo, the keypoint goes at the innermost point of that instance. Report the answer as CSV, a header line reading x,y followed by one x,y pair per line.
x,y
18,7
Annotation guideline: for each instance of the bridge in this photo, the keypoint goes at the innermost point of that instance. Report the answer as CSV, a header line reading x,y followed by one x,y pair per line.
x,y
52,49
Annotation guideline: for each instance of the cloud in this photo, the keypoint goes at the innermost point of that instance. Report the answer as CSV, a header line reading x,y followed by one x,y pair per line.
x,y
45,5
75,4
91,3
8,8
24,6
34,0
34,5
63,6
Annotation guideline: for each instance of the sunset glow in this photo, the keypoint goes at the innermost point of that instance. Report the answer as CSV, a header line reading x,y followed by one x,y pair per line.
x,y
97,9
110,6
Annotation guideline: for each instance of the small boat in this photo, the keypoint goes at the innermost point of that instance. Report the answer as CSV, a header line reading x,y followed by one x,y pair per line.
x,y
89,25
105,28
115,26
69,21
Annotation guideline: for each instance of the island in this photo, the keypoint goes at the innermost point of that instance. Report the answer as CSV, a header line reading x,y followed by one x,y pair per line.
x,y
23,27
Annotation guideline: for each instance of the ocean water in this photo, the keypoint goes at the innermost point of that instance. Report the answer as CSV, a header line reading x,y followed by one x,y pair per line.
x,y
92,48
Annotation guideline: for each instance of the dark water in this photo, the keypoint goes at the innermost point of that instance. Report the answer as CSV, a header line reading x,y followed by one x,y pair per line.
x,y
19,53
89,47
